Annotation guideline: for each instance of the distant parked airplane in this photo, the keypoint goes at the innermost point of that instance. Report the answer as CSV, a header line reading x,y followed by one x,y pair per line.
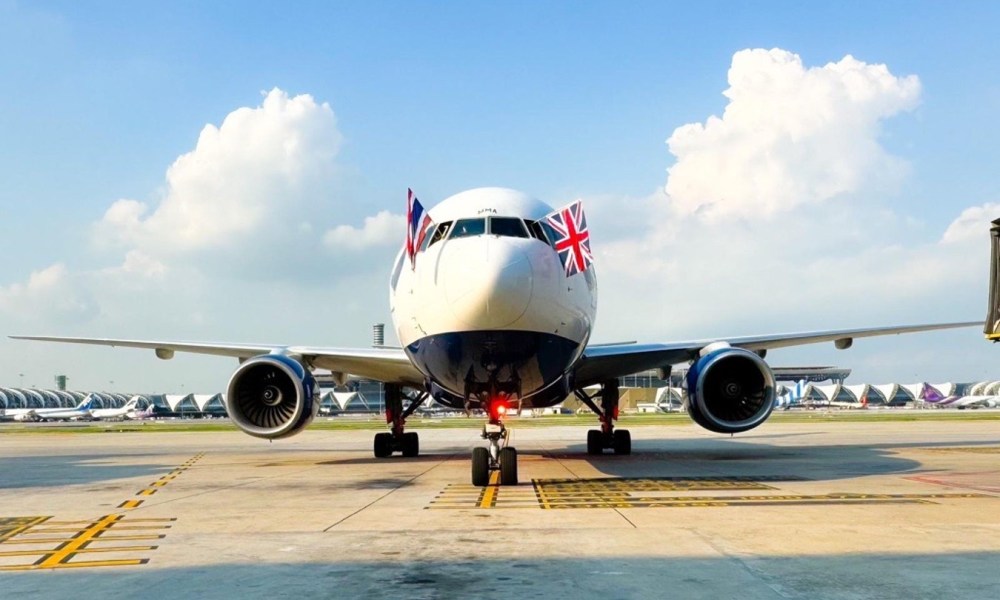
x,y
124,412
793,396
80,411
931,395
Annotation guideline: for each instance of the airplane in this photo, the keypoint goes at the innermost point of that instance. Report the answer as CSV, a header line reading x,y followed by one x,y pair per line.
x,y
124,412
931,395
493,299
80,411
139,415
793,396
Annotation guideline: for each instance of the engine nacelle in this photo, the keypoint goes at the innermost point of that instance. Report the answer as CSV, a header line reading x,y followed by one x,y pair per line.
x,y
730,390
272,396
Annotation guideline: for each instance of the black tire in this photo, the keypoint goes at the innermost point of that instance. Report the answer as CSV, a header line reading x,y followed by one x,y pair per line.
x,y
383,445
508,466
623,442
411,444
595,441
480,467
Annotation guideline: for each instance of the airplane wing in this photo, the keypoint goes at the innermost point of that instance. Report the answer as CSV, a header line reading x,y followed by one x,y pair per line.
x,y
389,365
603,362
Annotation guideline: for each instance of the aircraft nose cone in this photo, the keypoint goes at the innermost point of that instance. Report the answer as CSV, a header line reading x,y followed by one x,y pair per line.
x,y
489,283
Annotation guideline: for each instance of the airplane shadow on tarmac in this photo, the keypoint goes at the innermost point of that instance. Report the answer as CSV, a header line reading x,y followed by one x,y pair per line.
x,y
707,457
550,572
53,471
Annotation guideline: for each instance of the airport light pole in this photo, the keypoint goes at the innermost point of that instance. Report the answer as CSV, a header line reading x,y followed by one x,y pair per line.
x,y
21,375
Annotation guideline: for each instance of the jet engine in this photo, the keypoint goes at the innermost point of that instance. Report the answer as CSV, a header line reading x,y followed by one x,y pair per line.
x,y
272,396
729,389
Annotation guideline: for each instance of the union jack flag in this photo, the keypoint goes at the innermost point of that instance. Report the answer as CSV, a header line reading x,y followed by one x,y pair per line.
x,y
417,224
570,237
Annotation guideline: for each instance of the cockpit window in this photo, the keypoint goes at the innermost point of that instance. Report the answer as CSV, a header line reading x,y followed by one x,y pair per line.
x,y
537,231
508,227
439,234
468,228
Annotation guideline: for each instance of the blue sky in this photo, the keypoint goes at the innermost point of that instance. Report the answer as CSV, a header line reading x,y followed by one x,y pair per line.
x,y
562,100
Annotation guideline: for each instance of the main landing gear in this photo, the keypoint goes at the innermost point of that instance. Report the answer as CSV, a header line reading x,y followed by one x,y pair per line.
x,y
397,440
619,440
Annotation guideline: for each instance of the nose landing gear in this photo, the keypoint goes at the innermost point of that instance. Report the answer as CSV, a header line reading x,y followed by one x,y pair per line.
x,y
497,457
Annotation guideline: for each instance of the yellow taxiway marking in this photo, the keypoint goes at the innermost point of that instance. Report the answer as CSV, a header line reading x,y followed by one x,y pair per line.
x,y
965,449
649,493
489,497
12,526
82,534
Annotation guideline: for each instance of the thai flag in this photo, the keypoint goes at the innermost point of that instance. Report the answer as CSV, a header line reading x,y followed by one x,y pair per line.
x,y
417,224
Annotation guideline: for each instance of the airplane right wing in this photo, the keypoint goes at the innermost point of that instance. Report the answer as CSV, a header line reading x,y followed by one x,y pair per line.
x,y
600,363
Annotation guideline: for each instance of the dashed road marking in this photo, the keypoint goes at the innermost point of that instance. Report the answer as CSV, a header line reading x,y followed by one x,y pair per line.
x,y
66,541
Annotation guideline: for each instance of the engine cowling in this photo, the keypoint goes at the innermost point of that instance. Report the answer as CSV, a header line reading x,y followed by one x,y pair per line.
x,y
272,396
730,390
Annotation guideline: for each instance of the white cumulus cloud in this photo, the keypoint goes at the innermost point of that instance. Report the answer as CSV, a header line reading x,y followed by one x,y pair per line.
x,y
246,196
383,229
789,136
49,295
972,224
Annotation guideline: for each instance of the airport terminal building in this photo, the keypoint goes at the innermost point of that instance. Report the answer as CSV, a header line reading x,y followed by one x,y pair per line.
x,y
823,385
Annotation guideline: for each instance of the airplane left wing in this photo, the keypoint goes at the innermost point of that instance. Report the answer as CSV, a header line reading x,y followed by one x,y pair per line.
x,y
389,365
600,362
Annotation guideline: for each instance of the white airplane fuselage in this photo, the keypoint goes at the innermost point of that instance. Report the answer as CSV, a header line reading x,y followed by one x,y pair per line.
x,y
491,311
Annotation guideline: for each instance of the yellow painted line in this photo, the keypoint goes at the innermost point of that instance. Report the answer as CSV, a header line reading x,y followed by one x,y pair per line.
x,y
146,492
150,520
80,551
130,504
125,562
117,549
489,498
21,540
23,553
21,527
65,551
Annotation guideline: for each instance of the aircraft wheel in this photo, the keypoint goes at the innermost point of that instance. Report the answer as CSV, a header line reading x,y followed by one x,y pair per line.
x,y
508,466
480,467
595,442
411,444
383,445
623,441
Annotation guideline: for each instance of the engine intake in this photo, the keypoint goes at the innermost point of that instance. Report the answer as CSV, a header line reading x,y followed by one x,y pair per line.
x,y
272,396
730,390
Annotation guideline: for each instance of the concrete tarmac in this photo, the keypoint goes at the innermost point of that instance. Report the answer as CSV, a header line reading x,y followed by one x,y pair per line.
x,y
826,510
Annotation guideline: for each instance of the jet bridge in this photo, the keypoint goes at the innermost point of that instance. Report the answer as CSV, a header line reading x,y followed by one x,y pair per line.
x,y
992,329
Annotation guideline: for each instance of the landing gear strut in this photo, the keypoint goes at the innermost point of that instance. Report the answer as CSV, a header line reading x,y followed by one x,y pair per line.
x,y
397,440
498,457
494,396
619,440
